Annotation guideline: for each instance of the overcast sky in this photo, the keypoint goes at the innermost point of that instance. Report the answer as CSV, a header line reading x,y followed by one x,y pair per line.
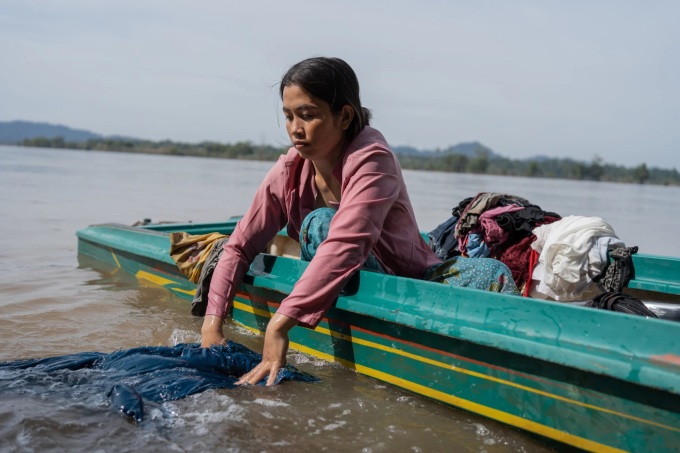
x,y
564,79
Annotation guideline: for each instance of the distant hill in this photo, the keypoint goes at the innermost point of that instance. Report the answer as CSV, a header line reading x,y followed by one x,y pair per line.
x,y
14,132
470,149
471,157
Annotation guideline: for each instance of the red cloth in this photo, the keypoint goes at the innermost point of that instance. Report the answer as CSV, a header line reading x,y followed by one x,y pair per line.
x,y
516,257
521,258
533,261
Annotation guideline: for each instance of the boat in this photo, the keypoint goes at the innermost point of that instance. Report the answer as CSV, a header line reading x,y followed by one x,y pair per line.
x,y
582,377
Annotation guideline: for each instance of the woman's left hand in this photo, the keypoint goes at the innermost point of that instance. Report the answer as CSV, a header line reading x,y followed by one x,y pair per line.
x,y
274,353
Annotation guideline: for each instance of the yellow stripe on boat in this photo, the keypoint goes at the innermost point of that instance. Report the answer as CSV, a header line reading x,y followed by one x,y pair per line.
x,y
115,258
250,309
163,282
496,414
645,421
154,278
426,390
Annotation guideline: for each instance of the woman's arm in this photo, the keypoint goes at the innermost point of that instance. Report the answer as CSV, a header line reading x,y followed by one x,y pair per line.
x,y
265,217
370,188
211,332
274,352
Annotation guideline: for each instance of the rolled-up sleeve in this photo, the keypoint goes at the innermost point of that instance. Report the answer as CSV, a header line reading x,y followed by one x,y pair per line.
x,y
265,217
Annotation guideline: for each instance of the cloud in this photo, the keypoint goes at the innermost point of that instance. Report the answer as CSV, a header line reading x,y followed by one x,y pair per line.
x,y
561,79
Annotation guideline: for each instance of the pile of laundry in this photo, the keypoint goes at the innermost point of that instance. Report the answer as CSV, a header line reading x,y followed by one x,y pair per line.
x,y
550,257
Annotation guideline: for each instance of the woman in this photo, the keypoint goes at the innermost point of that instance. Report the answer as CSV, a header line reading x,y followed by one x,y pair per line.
x,y
337,161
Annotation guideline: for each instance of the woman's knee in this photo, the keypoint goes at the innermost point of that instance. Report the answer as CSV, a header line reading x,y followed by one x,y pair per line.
x,y
314,231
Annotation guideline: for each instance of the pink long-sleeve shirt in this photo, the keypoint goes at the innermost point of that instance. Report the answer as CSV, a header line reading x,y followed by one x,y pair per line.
x,y
374,215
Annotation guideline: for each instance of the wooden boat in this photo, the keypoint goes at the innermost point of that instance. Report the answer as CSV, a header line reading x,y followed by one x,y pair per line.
x,y
588,378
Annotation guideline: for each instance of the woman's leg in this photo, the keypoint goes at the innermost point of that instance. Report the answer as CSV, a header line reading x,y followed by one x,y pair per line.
x,y
314,231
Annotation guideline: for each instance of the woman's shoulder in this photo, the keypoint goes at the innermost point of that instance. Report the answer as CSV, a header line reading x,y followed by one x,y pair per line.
x,y
369,145
282,169
369,153
287,162
369,138
291,157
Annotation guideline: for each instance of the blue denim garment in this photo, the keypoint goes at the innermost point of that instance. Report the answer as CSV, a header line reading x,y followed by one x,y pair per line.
x,y
476,247
442,240
133,377
314,231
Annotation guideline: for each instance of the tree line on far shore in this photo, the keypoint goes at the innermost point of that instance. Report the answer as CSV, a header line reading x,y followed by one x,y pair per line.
x,y
481,163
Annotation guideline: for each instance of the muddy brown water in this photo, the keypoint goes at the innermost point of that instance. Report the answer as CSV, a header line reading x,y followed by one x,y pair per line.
x,y
52,304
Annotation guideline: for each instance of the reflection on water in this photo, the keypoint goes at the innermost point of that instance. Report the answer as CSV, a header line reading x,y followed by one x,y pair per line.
x,y
50,306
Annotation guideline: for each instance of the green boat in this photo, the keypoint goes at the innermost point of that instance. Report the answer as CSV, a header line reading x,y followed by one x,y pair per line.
x,y
593,379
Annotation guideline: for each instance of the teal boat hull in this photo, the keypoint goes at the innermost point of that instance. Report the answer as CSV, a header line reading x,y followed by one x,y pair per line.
x,y
592,379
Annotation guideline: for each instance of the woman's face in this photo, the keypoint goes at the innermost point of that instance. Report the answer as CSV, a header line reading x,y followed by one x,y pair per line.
x,y
315,132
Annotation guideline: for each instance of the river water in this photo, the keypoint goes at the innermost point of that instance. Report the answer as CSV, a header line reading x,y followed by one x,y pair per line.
x,y
50,305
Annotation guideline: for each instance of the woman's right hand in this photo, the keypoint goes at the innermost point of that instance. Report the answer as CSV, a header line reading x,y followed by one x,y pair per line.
x,y
211,332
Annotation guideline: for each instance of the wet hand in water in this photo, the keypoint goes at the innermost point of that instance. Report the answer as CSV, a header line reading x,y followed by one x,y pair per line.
x,y
211,332
274,352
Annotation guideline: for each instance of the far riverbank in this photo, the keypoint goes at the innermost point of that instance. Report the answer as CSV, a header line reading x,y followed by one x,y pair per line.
x,y
479,161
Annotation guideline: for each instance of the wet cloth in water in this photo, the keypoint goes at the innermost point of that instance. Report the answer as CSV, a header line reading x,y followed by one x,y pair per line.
x,y
131,378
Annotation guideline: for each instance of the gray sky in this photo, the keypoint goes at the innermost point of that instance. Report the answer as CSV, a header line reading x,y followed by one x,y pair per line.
x,y
563,79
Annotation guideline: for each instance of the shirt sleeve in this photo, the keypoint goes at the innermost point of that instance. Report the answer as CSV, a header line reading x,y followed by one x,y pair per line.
x,y
265,217
369,189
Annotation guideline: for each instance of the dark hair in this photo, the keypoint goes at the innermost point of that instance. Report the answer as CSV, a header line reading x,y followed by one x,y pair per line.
x,y
332,80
